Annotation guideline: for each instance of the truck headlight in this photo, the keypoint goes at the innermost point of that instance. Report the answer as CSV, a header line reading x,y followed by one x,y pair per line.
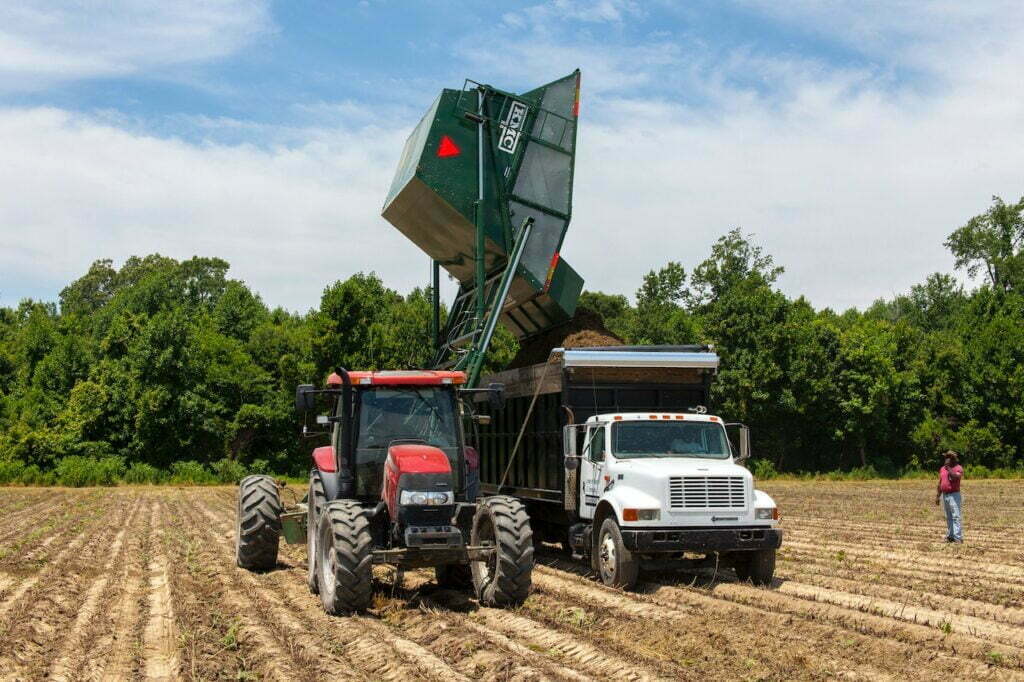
x,y
425,498
767,514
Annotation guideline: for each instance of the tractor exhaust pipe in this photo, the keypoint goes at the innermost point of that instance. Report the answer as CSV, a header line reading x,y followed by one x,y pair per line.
x,y
343,454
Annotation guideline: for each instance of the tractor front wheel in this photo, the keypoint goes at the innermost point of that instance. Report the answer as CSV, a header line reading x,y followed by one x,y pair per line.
x,y
344,558
258,529
503,579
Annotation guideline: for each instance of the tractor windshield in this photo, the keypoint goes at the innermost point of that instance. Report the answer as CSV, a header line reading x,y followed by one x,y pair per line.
x,y
416,413
669,439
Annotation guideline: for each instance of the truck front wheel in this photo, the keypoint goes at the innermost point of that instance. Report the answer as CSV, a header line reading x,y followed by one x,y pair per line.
x,y
344,558
615,563
758,567
504,578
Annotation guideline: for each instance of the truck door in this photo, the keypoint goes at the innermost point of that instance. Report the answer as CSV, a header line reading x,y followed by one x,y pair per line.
x,y
592,470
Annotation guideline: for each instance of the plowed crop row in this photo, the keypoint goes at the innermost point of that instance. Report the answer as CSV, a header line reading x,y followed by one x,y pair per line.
x,y
140,583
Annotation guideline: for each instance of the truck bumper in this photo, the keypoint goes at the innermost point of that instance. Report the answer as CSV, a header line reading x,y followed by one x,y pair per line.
x,y
650,541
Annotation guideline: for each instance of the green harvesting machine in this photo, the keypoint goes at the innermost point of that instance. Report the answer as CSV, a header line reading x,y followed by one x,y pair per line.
x,y
484,187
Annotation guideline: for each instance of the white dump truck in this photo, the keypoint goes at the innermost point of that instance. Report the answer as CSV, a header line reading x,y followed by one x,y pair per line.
x,y
619,460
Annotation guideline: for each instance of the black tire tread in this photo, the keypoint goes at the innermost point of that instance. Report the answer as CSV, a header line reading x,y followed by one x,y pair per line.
x,y
513,537
316,500
628,568
353,558
757,567
259,523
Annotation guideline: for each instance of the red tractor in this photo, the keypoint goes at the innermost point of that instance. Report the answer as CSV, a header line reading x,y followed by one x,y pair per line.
x,y
397,485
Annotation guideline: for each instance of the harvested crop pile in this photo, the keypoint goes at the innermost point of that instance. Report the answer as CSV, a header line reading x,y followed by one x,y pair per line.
x,y
585,330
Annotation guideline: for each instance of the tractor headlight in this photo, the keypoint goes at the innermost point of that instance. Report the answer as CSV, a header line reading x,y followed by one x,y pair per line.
x,y
425,498
767,514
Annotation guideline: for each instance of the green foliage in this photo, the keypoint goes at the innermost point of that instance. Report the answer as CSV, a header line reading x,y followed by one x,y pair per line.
x,y
228,471
76,471
763,469
141,473
993,242
191,473
165,370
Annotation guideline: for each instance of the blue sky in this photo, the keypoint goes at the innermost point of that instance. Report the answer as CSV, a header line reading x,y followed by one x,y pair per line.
x,y
849,138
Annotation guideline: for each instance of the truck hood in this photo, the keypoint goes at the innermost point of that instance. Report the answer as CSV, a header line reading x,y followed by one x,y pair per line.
x,y
680,466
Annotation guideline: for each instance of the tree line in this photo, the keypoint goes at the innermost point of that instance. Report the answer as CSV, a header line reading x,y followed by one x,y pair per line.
x,y
166,368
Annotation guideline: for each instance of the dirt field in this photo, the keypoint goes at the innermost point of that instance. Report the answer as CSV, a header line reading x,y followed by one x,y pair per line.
x,y
132,583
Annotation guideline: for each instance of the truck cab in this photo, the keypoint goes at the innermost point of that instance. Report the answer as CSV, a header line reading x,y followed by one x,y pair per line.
x,y
655,485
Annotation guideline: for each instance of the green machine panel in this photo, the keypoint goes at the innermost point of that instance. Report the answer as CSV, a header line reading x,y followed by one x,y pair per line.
x,y
522,172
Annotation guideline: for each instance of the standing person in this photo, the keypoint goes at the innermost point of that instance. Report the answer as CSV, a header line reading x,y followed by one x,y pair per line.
x,y
949,492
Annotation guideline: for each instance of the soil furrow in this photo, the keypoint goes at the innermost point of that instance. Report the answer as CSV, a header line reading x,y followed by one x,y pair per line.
x,y
122,644
75,642
77,532
45,606
159,637
916,597
583,656
357,640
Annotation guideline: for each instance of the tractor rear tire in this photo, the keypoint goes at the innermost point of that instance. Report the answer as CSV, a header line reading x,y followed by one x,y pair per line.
x,y
758,566
344,558
258,528
504,579
453,576
315,502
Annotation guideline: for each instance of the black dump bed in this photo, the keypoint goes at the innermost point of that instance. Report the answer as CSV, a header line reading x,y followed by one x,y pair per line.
x,y
575,384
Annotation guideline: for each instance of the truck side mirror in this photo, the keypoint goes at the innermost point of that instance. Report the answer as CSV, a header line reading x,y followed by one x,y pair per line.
x,y
744,443
305,398
572,460
496,396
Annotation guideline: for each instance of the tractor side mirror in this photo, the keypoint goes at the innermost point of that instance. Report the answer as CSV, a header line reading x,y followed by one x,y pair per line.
x,y
305,398
496,396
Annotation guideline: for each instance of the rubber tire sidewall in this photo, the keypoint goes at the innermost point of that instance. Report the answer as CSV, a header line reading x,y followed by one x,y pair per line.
x,y
346,526
627,569
315,502
757,566
512,579
256,548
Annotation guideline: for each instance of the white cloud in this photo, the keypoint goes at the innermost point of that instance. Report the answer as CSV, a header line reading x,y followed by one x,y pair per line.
x,y
289,219
852,175
52,40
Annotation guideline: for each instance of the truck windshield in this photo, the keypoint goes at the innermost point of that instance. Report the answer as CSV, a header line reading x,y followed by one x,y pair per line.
x,y
424,413
633,439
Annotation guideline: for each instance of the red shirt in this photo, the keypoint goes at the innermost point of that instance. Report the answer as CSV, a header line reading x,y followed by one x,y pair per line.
x,y
950,483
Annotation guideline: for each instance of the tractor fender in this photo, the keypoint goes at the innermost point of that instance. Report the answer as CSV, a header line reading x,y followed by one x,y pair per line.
x,y
332,484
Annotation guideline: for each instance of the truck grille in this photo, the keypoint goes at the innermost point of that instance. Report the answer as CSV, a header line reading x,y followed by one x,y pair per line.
x,y
707,492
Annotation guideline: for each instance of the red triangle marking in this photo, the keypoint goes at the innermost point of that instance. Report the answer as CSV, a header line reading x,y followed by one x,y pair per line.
x,y
447,148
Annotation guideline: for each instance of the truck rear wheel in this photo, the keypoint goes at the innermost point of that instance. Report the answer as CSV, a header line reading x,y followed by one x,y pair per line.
x,y
615,564
758,567
258,527
504,578
315,502
344,558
